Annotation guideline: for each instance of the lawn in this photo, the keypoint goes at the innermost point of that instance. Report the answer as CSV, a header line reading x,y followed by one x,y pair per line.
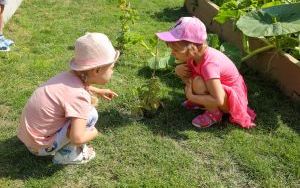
x,y
164,151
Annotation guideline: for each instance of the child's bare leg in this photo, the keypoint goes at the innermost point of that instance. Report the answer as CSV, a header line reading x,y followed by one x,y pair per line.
x,y
199,88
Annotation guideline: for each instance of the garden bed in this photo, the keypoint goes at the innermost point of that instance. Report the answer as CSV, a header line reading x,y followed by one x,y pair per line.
x,y
284,68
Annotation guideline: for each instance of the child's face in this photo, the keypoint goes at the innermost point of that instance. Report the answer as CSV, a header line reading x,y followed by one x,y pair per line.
x,y
179,55
178,51
102,75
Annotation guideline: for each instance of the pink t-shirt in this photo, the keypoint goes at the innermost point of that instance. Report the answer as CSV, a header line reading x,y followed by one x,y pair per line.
x,y
215,64
50,107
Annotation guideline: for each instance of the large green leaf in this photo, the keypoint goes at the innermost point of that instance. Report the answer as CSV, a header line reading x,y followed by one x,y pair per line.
x,y
162,63
274,21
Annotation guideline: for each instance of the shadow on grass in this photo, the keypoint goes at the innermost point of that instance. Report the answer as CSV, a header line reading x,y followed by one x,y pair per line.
x,y
170,14
273,108
271,105
112,118
16,162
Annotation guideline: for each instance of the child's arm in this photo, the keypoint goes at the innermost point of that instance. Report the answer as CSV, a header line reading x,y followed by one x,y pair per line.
x,y
79,134
104,93
215,99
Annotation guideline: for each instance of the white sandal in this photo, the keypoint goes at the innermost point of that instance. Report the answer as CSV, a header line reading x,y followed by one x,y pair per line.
x,y
70,155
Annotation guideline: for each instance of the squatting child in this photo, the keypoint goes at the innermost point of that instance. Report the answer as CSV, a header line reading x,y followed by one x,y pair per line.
x,y
59,118
211,78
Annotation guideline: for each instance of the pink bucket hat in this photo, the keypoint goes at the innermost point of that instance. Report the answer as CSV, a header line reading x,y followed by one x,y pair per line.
x,y
93,50
186,28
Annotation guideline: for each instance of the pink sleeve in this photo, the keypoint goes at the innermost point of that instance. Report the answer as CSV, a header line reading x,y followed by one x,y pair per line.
x,y
210,70
79,106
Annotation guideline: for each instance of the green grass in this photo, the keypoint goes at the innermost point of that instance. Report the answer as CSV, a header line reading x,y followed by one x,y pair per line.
x,y
165,151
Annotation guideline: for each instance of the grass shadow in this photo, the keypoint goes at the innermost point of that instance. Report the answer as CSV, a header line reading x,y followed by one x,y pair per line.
x,y
18,163
113,118
170,14
272,107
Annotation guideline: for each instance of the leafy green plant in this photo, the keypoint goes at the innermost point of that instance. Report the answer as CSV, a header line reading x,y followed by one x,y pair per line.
x,y
128,17
233,10
148,94
157,62
275,21
213,40
279,25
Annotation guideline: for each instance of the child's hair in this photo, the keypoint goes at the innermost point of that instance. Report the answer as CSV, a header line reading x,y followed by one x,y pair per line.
x,y
189,48
84,78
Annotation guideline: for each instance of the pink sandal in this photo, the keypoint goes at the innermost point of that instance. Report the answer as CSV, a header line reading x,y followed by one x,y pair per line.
x,y
207,119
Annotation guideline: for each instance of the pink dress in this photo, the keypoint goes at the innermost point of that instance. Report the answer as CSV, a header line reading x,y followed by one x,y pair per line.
x,y
215,64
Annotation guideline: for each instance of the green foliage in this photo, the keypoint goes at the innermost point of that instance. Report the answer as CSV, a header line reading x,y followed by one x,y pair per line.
x,y
165,151
273,21
161,63
276,18
232,9
149,94
213,40
128,17
280,25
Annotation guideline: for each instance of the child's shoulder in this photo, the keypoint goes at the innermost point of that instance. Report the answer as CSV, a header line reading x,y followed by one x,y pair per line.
x,y
216,55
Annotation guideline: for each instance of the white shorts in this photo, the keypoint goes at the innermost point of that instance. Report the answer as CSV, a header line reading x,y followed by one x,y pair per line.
x,y
61,138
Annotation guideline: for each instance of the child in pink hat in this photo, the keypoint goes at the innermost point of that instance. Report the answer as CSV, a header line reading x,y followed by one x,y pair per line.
x,y
59,118
211,79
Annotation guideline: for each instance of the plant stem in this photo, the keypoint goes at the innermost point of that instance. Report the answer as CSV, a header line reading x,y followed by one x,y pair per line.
x,y
147,47
156,60
257,51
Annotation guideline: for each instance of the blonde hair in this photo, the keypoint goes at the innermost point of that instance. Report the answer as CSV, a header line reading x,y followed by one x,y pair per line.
x,y
83,76
189,48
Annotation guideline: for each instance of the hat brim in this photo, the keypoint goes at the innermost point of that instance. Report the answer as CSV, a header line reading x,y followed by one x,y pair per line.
x,y
92,65
167,37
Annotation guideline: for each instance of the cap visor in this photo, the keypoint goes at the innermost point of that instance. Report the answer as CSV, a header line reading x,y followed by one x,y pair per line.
x,y
167,36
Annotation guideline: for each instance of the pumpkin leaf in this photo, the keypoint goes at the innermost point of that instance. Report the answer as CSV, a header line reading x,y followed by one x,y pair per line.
x,y
273,21
161,63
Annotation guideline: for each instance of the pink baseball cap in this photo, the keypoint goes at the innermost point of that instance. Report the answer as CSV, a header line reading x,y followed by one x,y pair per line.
x,y
186,28
93,50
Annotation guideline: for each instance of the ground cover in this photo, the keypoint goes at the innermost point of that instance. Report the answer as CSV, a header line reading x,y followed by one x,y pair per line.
x,y
165,151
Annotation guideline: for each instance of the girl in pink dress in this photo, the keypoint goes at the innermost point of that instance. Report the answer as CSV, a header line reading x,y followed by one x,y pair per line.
x,y
211,79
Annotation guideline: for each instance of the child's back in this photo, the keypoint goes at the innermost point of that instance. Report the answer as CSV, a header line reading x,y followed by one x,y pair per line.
x,y
50,106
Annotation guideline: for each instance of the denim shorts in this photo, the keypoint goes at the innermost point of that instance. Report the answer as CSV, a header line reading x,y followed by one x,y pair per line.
x,y
3,2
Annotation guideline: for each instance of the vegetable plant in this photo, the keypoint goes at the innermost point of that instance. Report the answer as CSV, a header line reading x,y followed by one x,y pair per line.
x,y
279,25
277,22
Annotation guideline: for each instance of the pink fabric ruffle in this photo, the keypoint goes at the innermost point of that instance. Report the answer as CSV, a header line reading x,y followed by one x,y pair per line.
x,y
237,100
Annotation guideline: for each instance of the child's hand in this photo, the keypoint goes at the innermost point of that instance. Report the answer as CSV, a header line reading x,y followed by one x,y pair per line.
x,y
183,71
106,94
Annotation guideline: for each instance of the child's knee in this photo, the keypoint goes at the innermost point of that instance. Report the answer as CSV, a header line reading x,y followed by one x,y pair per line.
x,y
199,86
